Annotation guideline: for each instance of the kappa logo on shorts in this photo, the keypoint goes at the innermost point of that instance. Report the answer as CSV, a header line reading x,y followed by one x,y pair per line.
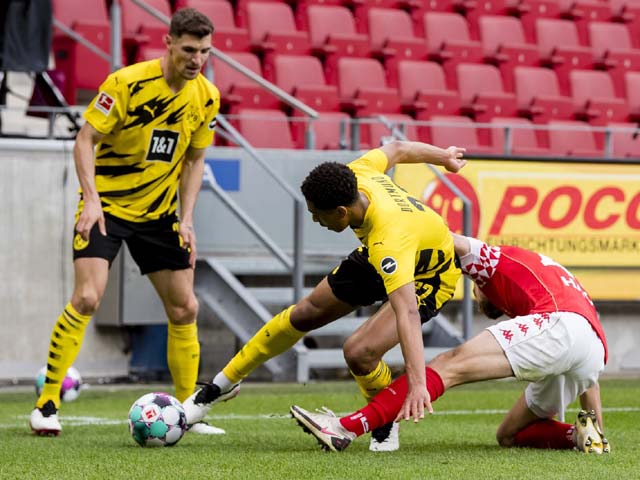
x,y
388,265
105,103
79,243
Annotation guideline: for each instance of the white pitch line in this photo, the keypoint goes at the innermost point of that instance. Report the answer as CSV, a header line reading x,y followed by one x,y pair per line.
x,y
80,420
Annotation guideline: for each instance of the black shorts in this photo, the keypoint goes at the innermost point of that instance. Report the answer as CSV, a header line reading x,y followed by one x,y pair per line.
x,y
356,282
154,245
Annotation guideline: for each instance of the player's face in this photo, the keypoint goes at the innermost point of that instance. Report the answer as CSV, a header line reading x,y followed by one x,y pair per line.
x,y
486,307
335,219
188,54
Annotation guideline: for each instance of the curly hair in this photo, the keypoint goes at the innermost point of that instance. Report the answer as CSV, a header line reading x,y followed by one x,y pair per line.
x,y
190,21
330,185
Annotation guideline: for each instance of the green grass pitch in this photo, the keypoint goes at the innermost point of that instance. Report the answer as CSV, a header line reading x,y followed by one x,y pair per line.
x,y
263,442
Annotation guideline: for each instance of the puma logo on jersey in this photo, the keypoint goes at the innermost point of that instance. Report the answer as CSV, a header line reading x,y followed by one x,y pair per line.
x,y
388,265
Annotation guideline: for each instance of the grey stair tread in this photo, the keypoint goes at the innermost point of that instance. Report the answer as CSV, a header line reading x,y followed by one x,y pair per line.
x,y
264,265
334,358
275,295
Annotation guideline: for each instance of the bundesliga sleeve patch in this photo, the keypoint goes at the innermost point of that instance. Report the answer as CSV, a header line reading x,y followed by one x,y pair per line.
x,y
388,265
105,103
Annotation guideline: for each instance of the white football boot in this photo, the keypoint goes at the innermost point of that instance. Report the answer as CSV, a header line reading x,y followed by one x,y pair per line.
x,y
385,438
325,426
199,403
44,421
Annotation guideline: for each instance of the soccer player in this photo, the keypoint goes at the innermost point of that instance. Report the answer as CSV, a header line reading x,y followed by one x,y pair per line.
x,y
150,125
407,256
553,340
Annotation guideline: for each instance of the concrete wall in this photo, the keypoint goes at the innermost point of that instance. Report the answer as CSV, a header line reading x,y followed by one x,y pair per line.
x,y
38,188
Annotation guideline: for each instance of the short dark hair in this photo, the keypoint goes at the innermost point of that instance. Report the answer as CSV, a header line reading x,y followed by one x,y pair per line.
x,y
330,185
190,21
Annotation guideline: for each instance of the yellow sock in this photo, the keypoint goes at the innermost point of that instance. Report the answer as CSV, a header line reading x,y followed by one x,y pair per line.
x,y
66,339
275,337
183,358
371,383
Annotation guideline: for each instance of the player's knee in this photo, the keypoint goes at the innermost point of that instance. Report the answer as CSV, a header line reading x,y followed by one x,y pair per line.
x,y
359,357
185,311
85,301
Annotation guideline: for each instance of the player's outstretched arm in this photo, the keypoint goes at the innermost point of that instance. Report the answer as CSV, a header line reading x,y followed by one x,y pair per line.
x,y
417,152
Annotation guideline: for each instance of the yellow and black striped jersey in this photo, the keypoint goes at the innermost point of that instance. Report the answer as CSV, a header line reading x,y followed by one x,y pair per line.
x,y
407,241
148,128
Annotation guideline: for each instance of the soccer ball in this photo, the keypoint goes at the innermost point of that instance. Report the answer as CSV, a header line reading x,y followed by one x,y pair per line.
x,y
70,388
157,420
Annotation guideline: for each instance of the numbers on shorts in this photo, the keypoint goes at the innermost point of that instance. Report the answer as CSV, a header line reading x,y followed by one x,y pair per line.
x,y
162,145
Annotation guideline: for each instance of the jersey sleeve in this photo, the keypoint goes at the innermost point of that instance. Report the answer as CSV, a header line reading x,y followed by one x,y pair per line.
x,y
372,160
395,264
108,109
203,136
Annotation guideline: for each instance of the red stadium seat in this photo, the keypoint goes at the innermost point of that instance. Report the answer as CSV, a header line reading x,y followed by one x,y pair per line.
x,y
560,49
363,89
272,31
332,131
301,9
227,36
611,44
627,12
473,10
524,140
81,67
449,43
505,46
236,89
455,130
594,98
529,11
417,9
632,82
333,35
302,77
141,30
582,12
361,10
538,95
572,138
482,94
265,128
624,144
423,90
242,10
392,40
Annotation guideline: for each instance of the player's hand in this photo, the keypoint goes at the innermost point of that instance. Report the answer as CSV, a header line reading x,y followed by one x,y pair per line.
x,y
414,405
91,213
454,161
189,241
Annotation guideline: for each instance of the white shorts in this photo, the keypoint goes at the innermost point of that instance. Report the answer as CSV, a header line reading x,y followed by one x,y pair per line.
x,y
558,352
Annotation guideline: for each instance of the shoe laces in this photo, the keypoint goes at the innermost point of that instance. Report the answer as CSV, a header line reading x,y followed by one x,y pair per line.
x,y
207,394
326,411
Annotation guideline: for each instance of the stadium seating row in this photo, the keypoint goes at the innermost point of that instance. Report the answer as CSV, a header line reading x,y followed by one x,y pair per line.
x,y
408,62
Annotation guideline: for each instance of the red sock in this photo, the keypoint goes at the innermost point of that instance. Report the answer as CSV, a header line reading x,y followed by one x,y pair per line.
x,y
545,434
384,407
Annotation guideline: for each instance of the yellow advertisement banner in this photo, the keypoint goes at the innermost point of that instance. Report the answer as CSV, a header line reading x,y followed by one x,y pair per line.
x,y
581,215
